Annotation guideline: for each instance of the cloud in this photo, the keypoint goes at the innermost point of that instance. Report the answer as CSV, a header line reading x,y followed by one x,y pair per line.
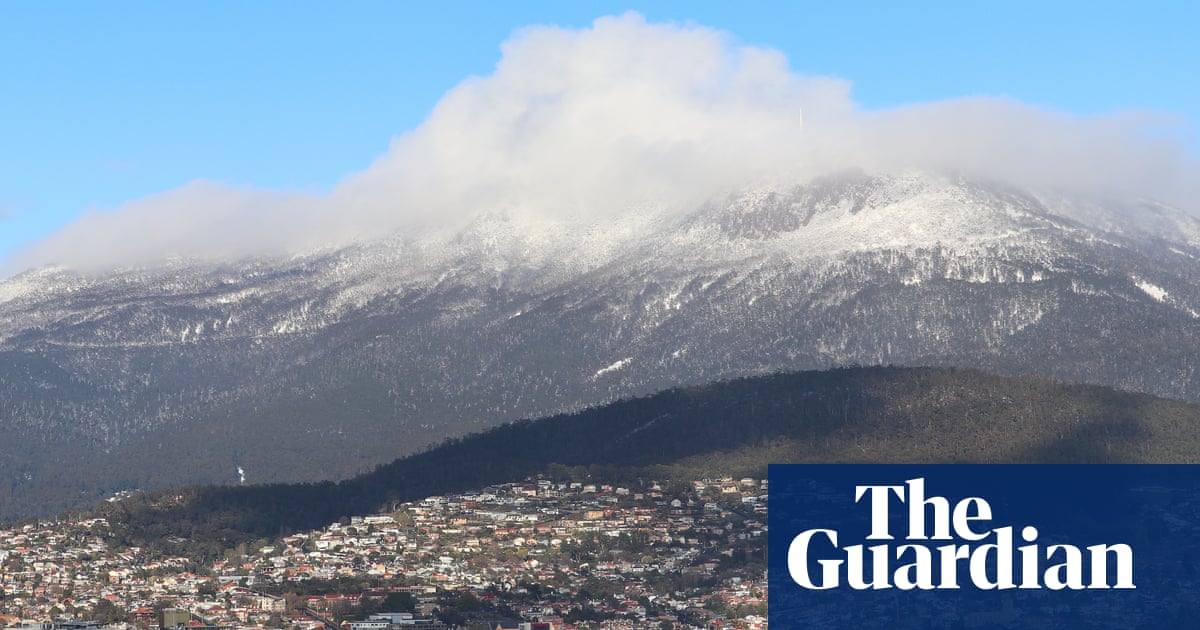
x,y
202,219
585,124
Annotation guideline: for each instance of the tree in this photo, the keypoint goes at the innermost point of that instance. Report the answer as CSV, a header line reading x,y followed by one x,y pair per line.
x,y
400,602
107,612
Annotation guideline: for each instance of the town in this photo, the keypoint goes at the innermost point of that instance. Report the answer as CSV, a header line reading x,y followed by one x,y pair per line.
x,y
542,553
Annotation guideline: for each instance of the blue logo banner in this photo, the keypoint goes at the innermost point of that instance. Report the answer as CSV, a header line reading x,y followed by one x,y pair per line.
x,y
984,546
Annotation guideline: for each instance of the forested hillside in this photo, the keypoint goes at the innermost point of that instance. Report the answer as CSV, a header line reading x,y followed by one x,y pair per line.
x,y
896,415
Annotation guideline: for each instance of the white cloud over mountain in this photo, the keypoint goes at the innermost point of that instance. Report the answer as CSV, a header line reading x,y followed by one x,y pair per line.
x,y
584,124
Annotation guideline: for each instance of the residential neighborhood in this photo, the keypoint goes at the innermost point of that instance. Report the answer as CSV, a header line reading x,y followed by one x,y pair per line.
x,y
541,553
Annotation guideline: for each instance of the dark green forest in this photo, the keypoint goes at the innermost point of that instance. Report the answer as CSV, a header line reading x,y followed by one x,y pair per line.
x,y
867,415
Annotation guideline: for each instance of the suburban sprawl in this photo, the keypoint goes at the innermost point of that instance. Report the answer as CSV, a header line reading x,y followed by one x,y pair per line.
x,y
545,554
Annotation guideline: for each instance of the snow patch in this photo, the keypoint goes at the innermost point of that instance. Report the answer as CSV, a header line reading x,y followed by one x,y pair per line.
x,y
232,298
612,368
1083,288
1159,294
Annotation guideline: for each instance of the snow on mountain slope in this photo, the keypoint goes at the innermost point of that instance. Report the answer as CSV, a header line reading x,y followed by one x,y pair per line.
x,y
327,363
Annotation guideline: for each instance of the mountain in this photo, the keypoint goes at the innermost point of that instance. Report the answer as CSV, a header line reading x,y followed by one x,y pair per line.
x,y
735,428
324,365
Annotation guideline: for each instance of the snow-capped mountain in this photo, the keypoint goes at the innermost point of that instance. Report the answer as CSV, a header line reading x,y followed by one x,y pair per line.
x,y
326,364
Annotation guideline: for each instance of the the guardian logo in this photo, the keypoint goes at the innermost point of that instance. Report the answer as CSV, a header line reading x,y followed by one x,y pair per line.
x,y
948,547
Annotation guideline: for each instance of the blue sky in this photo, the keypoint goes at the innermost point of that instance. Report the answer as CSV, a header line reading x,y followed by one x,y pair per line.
x,y
105,103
